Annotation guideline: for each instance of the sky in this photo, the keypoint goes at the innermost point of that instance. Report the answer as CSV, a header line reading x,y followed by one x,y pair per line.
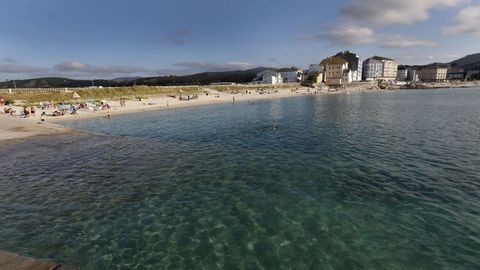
x,y
111,38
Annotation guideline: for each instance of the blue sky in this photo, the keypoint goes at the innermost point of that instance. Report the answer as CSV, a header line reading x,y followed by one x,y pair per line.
x,y
106,38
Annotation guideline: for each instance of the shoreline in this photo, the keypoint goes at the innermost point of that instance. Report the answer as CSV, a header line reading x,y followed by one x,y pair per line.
x,y
13,128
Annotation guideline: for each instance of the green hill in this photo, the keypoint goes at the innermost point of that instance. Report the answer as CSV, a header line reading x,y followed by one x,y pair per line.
x,y
239,76
469,61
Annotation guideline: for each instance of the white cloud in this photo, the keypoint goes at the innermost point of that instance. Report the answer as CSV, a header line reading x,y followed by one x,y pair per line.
x,y
72,66
14,68
347,35
466,22
203,66
421,59
355,35
394,11
398,41
77,67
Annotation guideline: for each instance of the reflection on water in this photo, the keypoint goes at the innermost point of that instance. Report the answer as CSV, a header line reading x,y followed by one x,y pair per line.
x,y
386,180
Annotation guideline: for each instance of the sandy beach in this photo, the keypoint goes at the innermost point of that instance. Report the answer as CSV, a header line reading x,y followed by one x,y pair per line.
x,y
17,127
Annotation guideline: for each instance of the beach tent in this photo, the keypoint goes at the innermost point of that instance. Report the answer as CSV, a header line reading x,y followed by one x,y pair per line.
x,y
76,95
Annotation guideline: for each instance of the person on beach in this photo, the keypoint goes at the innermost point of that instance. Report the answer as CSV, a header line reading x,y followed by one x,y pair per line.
x,y
26,111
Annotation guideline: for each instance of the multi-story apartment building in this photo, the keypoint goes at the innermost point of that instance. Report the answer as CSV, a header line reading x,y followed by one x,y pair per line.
x,y
432,73
412,74
454,72
402,74
336,71
355,64
380,68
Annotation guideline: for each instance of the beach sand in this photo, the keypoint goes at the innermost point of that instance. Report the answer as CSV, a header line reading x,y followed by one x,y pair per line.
x,y
15,127
18,128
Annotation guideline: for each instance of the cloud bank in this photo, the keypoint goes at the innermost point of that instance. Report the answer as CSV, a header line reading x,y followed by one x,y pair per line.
x,y
204,66
354,36
77,67
15,68
466,22
388,12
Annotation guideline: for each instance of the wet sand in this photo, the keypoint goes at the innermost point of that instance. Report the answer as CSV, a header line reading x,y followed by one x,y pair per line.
x,y
15,127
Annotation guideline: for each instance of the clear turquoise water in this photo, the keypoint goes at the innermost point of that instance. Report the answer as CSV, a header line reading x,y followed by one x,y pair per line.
x,y
387,180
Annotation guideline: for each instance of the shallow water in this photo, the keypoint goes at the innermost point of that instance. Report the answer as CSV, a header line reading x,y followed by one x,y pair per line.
x,y
386,180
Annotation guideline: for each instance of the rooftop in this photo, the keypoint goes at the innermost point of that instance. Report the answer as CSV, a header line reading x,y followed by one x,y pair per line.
x,y
333,61
380,58
288,69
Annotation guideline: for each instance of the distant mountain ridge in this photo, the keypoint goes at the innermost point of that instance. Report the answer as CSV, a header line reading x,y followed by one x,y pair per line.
x,y
469,61
205,78
125,79
239,76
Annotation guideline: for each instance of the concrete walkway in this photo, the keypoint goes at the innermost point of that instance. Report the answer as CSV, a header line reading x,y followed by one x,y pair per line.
x,y
11,261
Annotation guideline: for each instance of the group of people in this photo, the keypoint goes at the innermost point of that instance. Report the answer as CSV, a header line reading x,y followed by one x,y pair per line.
x,y
189,97
9,110
28,111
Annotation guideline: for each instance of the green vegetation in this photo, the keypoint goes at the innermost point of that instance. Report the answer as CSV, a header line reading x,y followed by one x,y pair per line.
x,y
91,94
206,78
116,93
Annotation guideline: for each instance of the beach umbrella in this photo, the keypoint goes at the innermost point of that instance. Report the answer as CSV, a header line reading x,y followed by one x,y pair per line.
x,y
76,95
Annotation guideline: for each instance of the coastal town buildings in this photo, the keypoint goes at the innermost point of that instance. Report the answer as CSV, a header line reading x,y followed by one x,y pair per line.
x,y
336,71
432,73
454,72
473,73
291,75
269,76
402,74
380,68
314,74
412,74
314,78
355,64
407,74
315,68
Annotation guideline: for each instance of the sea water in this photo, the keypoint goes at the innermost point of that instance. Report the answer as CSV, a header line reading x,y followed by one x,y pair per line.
x,y
382,180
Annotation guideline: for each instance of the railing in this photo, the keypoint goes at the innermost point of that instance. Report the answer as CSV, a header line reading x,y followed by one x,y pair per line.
x,y
24,90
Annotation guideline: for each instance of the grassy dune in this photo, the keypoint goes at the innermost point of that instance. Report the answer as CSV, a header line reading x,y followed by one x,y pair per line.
x,y
92,94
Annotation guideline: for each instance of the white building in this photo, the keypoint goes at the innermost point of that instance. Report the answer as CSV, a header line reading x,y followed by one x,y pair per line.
x,y
291,75
433,73
380,68
269,76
